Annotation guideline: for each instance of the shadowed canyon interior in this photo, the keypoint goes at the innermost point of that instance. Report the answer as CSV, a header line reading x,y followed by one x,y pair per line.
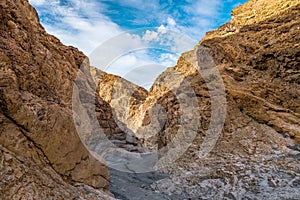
x,y
243,77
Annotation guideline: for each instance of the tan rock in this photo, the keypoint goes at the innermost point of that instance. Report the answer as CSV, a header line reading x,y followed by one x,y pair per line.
x,y
42,154
258,59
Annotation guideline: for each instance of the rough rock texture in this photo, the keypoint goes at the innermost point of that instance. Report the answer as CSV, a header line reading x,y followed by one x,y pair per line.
x,y
42,156
116,98
257,151
261,71
256,155
26,173
276,177
125,97
259,66
253,11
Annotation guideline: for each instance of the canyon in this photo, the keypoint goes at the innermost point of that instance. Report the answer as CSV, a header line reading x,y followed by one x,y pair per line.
x,y
224,123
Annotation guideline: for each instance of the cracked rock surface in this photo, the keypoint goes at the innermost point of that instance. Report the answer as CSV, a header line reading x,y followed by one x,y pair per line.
x,y
256,154
251,152
41,154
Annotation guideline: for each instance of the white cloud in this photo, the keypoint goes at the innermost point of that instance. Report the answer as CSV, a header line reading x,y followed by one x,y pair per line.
x,y
112,49
162,29
37,2
137,67
145,75
85,26
168,59
171,21
140,52
80,25
150,35
141,68
169,39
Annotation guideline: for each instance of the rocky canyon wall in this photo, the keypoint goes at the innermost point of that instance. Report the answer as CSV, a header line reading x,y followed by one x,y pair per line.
x,y
42,155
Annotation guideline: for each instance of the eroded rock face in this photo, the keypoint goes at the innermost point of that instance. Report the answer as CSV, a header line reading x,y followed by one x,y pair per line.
x,y
257,57
116,101
253,11
261,71
259,66
257,150
125,97
27,173
42,155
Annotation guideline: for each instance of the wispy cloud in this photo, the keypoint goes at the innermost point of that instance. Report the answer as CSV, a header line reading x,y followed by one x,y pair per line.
x,y
129,52
88,24
37,2
77,23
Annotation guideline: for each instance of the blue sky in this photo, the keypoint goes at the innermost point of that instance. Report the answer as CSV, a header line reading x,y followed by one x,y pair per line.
x,y
159,30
